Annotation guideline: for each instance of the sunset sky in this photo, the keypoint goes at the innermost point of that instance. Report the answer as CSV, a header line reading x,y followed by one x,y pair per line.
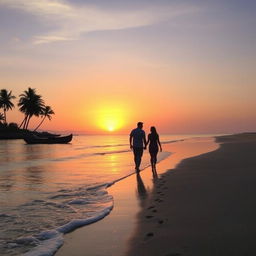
x,y
102,65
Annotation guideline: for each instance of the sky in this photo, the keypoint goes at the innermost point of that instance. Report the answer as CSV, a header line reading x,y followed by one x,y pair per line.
x,y
182,66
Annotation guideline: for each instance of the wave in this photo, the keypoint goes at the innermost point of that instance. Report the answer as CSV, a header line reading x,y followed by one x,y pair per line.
x,y
51,240
102,146
65,212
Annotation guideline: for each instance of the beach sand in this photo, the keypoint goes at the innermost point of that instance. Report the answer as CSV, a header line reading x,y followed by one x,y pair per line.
x,y
112,235
205,206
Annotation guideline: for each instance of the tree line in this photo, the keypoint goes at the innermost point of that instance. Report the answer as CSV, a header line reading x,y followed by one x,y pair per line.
x,y
30,104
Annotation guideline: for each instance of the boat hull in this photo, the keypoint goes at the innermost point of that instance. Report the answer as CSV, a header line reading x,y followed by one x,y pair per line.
x,y
50,140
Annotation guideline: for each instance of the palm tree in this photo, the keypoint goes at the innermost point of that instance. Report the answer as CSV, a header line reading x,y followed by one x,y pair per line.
x,y
31,104
5,101
47,112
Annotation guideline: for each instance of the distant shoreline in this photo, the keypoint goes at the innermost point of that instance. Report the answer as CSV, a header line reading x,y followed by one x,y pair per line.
x,y
18,134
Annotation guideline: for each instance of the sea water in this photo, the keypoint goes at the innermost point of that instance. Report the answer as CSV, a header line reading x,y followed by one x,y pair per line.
x,y
49,190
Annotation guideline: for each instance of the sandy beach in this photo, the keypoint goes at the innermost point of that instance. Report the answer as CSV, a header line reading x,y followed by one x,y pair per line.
x,y
205,206
112,235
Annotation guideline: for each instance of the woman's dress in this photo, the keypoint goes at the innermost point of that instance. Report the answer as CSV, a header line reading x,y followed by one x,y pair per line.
x,y
153,143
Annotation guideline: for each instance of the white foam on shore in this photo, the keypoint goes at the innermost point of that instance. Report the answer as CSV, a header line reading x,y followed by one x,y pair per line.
x,y
74,224
47,247
48,242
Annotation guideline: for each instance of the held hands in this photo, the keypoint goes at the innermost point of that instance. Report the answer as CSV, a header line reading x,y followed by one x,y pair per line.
x,y
145,147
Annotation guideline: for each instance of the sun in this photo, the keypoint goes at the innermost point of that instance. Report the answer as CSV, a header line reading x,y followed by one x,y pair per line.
x,y
111,123
111,128
110,118
109,115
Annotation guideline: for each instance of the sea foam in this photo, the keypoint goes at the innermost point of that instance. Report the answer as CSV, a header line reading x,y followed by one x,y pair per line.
x,y
48,242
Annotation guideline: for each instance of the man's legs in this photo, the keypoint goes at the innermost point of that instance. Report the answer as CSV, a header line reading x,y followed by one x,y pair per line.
x,y
138,152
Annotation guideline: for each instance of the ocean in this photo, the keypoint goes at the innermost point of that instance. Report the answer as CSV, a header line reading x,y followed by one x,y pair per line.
x,y
49,190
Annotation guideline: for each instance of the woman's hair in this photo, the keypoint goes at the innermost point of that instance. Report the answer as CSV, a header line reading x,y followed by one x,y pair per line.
x,y
153,130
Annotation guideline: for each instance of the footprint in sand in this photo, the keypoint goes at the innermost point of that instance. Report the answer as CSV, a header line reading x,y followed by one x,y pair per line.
x,y
150,234
159,200
160,221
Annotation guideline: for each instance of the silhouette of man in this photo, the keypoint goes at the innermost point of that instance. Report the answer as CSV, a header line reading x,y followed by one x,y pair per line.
x,y
137,139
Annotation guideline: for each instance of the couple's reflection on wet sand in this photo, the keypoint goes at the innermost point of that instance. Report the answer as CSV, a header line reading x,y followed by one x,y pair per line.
x,y
141,189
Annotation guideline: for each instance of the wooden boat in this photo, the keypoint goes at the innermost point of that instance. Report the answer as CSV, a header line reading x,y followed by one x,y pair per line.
x,y
33,139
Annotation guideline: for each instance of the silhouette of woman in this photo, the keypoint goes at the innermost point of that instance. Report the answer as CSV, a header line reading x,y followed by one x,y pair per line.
x,y
154,145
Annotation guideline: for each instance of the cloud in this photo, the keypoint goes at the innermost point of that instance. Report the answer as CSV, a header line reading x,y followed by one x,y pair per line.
x,y
69,21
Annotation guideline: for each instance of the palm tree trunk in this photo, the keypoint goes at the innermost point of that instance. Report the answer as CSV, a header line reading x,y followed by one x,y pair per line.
x,y
28,122
25,123
4,115
22,122
24,127
40,123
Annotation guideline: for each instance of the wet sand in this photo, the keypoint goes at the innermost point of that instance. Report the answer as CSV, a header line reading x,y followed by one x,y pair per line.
x,y
205,206
112,235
